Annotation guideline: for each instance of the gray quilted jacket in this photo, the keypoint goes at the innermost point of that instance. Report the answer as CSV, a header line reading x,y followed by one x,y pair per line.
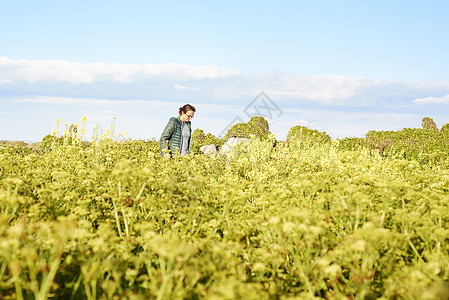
x,y
173,135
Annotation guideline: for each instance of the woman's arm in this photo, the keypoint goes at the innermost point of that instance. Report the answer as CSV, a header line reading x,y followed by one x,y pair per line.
x,y
166,134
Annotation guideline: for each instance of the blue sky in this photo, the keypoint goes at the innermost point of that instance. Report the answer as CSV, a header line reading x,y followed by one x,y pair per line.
x,y
344,67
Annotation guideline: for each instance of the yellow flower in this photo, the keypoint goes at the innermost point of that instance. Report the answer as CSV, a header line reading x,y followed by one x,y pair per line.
x,y
333,270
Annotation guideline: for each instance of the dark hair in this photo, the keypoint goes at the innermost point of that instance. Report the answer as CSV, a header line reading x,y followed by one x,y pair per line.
x,y
186,108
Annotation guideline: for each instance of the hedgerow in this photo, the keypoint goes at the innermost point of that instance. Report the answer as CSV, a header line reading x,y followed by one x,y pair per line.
x,y
426,145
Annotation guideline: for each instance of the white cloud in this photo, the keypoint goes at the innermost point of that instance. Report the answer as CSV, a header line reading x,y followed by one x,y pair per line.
x,y
178,83
186,72
32,71
89,101
221,84
429,100
185,87
313,87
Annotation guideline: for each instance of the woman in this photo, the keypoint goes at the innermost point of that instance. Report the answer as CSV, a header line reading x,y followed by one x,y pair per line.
x,y
177,133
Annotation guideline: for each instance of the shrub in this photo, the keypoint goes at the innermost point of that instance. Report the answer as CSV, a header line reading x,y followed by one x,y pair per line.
x,y
50,140
256,127
16,143
306,135
429,124
445,129
352,144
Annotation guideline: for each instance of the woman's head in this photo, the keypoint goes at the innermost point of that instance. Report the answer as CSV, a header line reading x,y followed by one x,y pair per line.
x,y
186,108
186,112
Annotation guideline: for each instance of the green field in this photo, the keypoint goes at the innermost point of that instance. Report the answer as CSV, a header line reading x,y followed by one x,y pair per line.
x,y
305,218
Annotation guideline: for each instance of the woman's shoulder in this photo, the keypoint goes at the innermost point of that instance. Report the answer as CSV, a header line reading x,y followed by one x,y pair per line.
x,y
175,120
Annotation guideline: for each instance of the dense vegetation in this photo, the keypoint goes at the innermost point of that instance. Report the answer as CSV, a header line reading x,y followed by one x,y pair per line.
x,y
307,217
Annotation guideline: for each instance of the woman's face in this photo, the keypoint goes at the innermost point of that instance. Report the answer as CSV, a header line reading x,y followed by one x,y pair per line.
x,y
187,116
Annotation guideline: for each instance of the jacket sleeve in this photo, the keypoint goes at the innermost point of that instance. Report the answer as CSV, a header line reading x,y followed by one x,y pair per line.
x,y
167,134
